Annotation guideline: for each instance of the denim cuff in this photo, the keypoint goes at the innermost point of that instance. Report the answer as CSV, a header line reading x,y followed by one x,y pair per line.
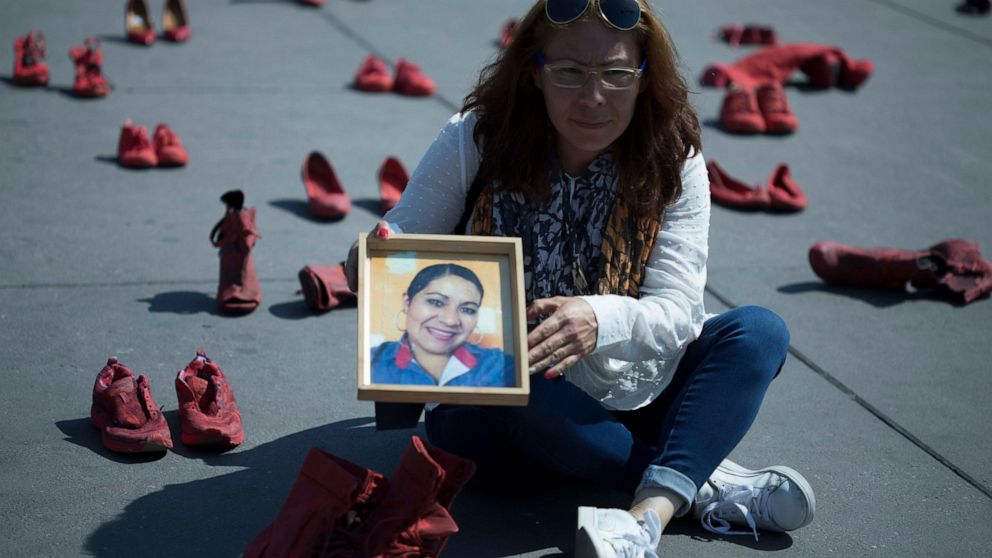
x,y
664,477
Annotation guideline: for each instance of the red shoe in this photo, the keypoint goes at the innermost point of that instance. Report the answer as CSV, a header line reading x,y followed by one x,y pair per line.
x,y
751,34
90,81
325,287
373,76
392,181
327,199
330,497
507,31
168,148
853,73
775,110
238,291
125,412
823,71
208,411
30,68
739,113
729,192
175,21
134,150
138,23
785,193
410,80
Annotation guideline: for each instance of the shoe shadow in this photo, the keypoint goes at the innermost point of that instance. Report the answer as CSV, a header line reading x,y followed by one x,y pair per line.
x,y
122,40
693,529
295,310
879,298
81,432
182,302
301,209
372,205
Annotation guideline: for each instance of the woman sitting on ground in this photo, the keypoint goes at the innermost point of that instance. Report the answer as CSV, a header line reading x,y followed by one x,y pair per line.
x,y
580,140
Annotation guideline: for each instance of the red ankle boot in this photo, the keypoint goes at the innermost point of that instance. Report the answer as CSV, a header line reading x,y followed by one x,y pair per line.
x,y
329,497
89,81
413,518
238,291
29,60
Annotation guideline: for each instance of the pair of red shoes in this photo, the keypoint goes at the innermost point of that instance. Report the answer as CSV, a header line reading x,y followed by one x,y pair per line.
x,y
757,111
136,151
139,28
738,34
30,68
238,289
338,508
131,422
954,269
90,81
327,198
781,194
373,76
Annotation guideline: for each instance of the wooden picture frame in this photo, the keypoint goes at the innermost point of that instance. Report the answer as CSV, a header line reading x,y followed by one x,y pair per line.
x,y
435,322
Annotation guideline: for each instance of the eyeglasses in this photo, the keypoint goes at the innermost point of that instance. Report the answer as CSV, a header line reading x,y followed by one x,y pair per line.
x,y
621,14
571,76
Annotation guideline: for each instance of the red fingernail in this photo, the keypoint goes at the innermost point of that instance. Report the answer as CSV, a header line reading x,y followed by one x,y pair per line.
x,y
383,234
550,375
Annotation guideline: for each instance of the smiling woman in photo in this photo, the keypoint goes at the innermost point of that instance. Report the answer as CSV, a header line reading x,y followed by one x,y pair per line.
x,y
441,306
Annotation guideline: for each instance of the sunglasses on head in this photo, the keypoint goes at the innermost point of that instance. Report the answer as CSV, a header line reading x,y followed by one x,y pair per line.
x,y
621,14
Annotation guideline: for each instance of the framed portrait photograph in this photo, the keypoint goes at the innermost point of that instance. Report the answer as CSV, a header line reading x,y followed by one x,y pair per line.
x,y
441,320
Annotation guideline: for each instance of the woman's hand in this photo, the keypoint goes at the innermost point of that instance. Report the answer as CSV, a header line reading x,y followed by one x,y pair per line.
x,y
381,231
567,335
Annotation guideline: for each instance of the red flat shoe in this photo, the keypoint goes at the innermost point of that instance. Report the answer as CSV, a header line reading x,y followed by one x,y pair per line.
x,y
238,291
730,192
138,23
208,411
411,80
125,412
775,109
392,181
739,113
175,21
134,150
168,148
373,76
327,199
30,68
90,81
507,31
325,287
785,193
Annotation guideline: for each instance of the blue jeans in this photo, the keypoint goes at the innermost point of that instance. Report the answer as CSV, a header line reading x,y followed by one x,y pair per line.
x,y
674,442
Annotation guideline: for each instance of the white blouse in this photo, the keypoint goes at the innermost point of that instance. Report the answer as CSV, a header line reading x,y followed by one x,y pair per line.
x,y
640,341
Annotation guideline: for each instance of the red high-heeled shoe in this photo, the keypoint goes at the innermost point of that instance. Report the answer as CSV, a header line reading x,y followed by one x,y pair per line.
x,y
138,23
392,181
326,197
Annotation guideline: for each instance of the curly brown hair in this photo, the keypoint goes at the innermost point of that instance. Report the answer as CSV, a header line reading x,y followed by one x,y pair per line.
x,y
519,138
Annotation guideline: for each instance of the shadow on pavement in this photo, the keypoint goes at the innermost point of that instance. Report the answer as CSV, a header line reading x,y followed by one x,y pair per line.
x,y
296,310
301,209
878,298
182,302
372,205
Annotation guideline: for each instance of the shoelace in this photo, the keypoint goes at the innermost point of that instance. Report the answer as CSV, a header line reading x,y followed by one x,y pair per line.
x,y
736,500
642,544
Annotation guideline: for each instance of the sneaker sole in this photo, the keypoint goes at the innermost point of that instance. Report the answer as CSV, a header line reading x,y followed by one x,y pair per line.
x,y
794,476
585,546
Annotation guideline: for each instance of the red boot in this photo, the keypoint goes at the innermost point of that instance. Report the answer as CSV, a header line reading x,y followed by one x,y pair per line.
x,y
392,181
208,411
325,287
329,495
125,412
238,291
30,68
413,518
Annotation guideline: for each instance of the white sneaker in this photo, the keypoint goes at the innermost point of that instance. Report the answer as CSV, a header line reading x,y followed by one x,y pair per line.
x,y
613,533
773,499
